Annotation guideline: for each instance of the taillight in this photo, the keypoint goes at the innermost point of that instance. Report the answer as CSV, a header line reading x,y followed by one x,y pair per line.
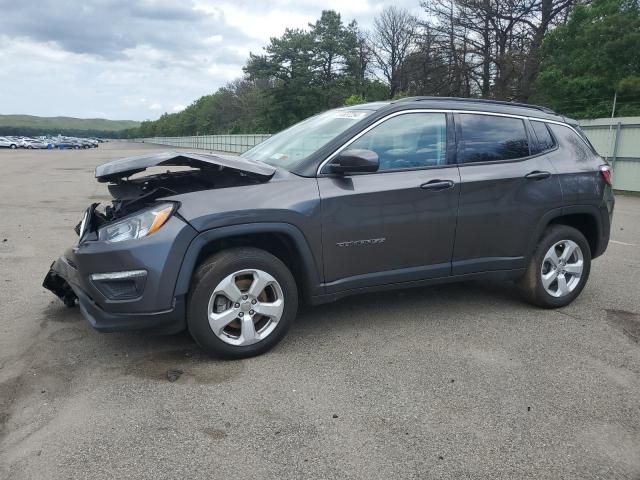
x,y
605,171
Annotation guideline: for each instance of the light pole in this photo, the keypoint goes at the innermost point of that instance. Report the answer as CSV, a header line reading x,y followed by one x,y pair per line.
x,y
613,112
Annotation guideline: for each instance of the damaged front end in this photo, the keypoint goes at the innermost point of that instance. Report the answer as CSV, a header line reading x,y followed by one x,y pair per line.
x,y
111,274
60,287
198,171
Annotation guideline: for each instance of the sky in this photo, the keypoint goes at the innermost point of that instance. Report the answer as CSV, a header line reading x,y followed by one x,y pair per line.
x,y
136,59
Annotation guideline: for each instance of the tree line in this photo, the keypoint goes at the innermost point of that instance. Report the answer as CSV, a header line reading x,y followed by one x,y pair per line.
x,y
571,55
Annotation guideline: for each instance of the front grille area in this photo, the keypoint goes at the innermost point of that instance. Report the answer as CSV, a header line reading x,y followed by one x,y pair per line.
x,y
119,289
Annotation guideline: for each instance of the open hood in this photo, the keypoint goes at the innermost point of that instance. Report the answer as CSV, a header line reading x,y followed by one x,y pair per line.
x,y
204,171
125,167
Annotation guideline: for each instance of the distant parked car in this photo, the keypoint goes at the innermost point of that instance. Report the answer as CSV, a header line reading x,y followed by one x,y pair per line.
x,y
41,144
69,143
33,143
8,143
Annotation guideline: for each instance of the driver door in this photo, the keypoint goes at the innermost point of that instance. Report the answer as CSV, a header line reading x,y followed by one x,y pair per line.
x,y
396,224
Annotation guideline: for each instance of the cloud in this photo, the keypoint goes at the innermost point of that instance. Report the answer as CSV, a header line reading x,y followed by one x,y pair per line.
x,y
134,58
109,27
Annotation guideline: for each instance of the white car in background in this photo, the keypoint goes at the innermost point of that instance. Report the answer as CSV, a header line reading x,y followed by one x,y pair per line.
x,y
33,143
8,143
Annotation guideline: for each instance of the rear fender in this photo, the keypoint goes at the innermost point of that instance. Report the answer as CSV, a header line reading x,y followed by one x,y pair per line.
x,y
556,213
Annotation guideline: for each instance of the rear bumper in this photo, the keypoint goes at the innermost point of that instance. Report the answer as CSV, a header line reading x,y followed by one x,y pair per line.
x,y
606,219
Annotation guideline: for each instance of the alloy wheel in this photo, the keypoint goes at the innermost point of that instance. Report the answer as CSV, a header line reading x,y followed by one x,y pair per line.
x,y
245,307
562,268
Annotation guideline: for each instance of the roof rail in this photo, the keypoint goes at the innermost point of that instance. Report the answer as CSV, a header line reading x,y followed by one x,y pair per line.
x,y
477,100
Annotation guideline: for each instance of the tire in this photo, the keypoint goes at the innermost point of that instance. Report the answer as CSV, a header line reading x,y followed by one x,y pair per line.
x,y
241,267
568,283
13,147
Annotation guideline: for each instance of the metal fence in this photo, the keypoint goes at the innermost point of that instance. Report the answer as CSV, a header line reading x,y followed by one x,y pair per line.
x,y
618,140
218,143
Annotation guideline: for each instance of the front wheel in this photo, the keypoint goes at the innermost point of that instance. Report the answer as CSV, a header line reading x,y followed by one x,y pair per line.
x,y
559,268
241,303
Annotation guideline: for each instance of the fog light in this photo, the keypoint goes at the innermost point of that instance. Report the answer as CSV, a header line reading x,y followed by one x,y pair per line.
x,y
120,285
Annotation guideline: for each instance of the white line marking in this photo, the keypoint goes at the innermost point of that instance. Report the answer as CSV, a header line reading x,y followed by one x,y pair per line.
x,y
622,243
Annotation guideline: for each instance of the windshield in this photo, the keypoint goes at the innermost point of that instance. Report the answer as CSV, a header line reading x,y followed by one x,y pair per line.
x,y
288,147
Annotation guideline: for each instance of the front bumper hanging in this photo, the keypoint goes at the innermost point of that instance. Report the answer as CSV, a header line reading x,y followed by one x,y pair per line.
x,y
60,287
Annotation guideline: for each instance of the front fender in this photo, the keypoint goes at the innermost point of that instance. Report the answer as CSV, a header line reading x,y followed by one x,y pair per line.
x,y
312,278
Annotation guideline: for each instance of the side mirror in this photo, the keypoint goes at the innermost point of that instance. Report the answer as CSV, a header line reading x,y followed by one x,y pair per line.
x,y
355,161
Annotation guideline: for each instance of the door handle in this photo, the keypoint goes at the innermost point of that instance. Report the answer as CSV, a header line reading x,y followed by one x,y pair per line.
x,y
537,175
437,185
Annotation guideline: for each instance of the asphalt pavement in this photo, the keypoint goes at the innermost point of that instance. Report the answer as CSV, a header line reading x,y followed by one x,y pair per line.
x,y
453,381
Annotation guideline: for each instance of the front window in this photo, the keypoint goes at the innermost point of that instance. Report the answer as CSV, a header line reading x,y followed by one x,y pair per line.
x,y
296,143
412,140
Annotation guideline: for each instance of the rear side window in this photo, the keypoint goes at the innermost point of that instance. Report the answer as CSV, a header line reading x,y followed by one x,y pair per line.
x,y
545,140
487,138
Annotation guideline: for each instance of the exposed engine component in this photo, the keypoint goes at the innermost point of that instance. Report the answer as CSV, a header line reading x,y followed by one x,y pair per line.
x,y
202,172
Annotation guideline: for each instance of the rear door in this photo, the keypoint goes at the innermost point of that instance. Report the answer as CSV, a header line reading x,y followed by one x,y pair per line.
x,y
506,188
397,224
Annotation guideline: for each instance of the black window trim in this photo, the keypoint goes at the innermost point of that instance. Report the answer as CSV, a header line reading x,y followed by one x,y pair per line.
x,y
556,144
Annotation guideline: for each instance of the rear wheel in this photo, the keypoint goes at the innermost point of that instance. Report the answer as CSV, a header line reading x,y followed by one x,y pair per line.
x,y
559,268
13,146
241,303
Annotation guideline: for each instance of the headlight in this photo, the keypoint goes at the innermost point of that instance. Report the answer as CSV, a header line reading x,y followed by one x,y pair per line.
x,y
141,225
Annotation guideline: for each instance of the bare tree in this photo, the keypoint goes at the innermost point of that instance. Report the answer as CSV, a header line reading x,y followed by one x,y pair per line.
x,y
362,58
394,31
548,13
492,47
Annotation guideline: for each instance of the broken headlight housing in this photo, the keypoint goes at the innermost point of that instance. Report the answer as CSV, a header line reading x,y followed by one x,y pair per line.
x,y
142,224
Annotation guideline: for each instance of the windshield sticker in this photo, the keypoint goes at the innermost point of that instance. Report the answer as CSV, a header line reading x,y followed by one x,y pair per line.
x,y
351,114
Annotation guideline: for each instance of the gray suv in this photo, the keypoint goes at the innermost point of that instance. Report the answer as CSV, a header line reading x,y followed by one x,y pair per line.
x,y
358,199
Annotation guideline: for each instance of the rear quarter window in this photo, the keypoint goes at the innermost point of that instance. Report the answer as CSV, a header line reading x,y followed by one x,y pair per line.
x,y
545,139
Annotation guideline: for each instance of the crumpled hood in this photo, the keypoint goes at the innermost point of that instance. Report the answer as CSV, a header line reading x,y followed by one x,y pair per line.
x,y
125,167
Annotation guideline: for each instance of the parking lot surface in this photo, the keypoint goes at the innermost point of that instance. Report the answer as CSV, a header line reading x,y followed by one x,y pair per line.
x,y
454,381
